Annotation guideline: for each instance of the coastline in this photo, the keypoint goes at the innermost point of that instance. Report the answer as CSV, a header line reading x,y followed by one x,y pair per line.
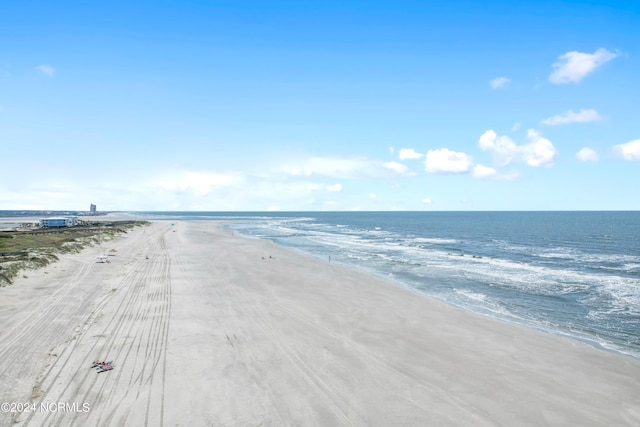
x,y
216,328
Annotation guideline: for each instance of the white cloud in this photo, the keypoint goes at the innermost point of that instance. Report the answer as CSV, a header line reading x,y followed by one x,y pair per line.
x,y
297,171
582,116
486,172
408,153
480,171
499,82
628,151
426,201
503,148
587,155
398,168
392,150
258,192
574,66
332,167
538,151
444,160
200,183
47,70
516,126
509,176
335,188
373,196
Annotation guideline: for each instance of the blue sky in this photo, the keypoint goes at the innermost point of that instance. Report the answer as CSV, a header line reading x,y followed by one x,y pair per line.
x,y
320,105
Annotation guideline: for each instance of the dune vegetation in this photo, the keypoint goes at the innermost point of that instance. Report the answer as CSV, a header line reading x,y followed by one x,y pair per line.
x,y
29,249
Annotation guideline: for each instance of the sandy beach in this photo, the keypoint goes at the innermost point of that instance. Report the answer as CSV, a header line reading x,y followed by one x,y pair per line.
x,y
207,328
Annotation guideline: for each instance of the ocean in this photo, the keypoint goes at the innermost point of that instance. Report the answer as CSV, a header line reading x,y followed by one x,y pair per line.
x,y
575,274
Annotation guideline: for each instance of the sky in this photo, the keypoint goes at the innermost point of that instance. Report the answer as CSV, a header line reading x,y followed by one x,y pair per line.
x,y
207,105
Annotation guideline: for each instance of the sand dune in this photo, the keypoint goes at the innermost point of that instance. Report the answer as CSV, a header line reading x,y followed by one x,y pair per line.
x,y
208,328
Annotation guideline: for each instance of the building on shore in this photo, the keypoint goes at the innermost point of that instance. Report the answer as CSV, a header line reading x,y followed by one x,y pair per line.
x,y
92,209
60,221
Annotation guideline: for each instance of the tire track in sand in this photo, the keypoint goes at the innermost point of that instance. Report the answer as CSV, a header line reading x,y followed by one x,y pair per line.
x,y
138,327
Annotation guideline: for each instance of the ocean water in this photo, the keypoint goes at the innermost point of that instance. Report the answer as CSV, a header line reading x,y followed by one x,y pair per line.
x,y
575,274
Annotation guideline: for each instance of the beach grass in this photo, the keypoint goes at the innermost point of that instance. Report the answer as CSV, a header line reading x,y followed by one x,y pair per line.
x,y
28,249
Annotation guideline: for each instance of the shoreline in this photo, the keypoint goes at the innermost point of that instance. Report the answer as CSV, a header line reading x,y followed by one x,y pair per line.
x,y
589,340
218,328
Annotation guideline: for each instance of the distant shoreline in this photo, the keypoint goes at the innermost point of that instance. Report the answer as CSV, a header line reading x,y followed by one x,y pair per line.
x,y
45,213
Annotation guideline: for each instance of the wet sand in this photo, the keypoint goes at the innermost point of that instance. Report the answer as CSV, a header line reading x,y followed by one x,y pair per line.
x,y
208,328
